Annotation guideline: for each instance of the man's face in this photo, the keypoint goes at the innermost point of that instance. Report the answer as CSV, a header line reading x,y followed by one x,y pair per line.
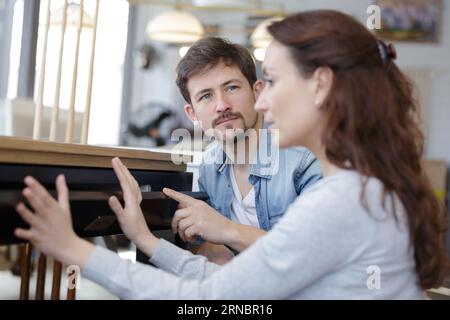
x,y
222,99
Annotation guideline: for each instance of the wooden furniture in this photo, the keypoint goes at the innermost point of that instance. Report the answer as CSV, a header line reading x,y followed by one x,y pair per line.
x,y
87,169
91,182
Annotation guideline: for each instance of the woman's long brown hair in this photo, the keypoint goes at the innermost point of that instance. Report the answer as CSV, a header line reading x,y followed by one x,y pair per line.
x,y
370,123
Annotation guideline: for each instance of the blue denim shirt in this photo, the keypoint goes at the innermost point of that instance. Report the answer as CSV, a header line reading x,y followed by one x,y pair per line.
x,y
277,178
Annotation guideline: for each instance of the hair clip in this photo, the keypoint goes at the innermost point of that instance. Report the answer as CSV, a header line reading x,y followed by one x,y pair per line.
x,y
387,51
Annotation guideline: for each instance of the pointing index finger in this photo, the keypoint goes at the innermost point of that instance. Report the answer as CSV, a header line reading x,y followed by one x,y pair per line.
x,y
183,199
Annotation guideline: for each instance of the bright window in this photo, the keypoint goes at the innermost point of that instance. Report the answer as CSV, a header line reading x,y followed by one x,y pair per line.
x,y
108,68
16,43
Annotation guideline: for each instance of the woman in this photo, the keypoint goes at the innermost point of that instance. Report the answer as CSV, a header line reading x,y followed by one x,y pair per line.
x,y
371,228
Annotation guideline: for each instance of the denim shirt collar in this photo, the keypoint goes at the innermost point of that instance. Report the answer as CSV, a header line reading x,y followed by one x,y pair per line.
x,y
260,169
269,153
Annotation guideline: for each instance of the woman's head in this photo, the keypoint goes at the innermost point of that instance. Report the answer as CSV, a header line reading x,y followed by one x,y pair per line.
x,y
330,64
337,90
290,100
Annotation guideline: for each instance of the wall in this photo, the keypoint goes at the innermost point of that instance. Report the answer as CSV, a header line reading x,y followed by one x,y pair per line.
x,y
157,83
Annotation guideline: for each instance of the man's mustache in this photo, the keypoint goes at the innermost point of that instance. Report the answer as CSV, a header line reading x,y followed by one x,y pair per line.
x,y
226,116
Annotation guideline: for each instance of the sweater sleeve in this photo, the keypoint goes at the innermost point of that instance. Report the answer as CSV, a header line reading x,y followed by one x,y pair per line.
x,y
182,262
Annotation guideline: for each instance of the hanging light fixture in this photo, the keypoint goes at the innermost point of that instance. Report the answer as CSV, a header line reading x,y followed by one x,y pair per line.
x,y
175,27
73,17
259,53
182,51
260,37
228,3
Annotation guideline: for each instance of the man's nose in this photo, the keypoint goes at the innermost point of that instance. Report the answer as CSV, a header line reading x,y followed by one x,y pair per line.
x,y
222,104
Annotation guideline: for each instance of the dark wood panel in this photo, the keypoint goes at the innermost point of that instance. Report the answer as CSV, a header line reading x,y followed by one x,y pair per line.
x,y
91,215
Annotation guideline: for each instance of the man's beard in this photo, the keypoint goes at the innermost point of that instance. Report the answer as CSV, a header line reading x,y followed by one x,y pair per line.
x,y
227,115
239,134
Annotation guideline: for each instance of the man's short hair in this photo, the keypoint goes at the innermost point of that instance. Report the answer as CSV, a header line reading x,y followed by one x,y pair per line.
x,y
207,53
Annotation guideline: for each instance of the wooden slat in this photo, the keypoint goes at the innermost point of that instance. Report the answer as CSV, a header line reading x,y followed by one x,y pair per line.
x,y
56,104
39,109
71,285
56,283
73,91
87,112
25,270
40,282
71,294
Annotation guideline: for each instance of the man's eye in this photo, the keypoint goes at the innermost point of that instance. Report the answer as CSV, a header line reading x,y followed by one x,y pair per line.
x,y
268,82
232,88
205,97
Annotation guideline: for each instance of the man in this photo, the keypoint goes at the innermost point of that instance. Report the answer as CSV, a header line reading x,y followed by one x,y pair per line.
x,y
248,188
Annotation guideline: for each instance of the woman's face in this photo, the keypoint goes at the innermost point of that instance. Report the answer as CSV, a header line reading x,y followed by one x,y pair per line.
x,y
289,101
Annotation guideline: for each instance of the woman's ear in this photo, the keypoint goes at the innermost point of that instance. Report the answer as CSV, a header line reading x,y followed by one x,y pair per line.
x,y
324,80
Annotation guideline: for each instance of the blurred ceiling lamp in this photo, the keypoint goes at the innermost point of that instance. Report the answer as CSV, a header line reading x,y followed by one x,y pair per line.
x,y
175,27
183,50
228,3
260,37
73,17
259,54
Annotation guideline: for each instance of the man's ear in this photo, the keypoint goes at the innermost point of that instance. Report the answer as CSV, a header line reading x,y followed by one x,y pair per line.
x,y
258,87
190,112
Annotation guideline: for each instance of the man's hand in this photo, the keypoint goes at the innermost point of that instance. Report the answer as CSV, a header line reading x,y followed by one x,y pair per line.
x,y
51,229
130,217
215,253
196,218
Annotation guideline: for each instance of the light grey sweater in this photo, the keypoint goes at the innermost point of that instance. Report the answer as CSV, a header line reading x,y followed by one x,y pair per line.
x,y
326,246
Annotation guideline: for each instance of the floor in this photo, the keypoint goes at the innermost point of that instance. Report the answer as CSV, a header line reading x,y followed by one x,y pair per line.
x,y
10,284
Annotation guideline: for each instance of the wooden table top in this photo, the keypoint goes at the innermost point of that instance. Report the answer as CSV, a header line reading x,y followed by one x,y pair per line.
x,y
27,151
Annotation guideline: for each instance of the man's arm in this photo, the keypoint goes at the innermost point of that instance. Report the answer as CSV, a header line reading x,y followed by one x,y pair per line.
x,y
243,236
197,218
215,253
214,229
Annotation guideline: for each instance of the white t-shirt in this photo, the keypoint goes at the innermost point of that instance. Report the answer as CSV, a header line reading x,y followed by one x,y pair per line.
x,y
243,209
